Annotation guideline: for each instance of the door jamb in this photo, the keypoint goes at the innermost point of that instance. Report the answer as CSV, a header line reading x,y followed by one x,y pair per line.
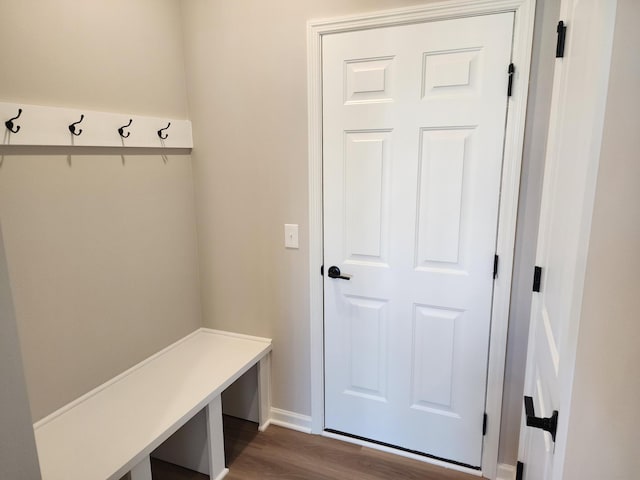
x,y
513,146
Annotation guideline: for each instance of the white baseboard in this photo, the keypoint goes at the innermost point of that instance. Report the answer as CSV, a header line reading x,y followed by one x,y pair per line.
x,y
506,472
222,474
291,420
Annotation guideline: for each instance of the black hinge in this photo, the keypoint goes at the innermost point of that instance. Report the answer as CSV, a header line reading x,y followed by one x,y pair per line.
x,y
562,32
484,425
537,275
520,471
495,266
548,424
511,71
322,270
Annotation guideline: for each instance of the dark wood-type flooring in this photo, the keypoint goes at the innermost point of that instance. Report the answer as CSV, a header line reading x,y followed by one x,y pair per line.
x,y
280,453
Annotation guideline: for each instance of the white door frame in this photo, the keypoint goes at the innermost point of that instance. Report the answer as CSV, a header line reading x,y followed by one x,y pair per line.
x,y
510,186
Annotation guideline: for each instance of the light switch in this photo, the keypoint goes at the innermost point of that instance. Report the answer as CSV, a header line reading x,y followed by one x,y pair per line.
x,y
290,235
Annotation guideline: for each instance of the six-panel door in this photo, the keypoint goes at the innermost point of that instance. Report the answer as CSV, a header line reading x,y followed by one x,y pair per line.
x,y
413,130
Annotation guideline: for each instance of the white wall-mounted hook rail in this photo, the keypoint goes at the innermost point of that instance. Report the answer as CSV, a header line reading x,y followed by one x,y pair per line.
x,y
42,128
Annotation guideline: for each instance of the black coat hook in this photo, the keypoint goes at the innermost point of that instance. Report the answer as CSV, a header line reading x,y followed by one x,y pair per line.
x,y
72,127
161,130
121,129
9,123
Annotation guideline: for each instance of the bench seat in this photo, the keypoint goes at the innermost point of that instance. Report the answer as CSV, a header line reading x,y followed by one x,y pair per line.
x,y
113,429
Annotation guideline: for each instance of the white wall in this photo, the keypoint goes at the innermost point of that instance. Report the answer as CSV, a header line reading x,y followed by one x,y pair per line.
x,y
604,426
18,458
101,251
119,55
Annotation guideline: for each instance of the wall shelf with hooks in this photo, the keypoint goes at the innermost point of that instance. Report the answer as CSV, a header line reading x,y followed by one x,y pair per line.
x,y
36,125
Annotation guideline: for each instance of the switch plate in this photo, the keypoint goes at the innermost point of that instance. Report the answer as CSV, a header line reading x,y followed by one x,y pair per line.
x,y
290,235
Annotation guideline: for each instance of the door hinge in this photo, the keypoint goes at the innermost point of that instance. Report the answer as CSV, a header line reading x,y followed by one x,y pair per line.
x,y
537,276
548,424
484,425
322,270
495,266
562,32
520,471
511,70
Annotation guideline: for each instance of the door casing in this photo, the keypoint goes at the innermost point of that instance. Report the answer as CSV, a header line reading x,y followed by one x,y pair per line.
x,y
514,140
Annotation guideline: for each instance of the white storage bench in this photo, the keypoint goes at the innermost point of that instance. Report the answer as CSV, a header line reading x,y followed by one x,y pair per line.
x,y
113,429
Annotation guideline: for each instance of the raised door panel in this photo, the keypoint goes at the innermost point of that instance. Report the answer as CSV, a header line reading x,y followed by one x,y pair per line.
x,y
440,196
366,193
433,353
368,346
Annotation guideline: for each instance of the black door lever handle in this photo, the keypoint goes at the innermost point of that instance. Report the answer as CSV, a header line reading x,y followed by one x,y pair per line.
x,y
334,272
548,424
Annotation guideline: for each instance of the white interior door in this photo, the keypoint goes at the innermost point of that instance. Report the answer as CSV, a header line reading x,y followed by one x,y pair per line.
x,y
413,131
575,133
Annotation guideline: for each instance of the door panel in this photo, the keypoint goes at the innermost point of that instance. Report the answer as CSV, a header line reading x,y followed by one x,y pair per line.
x,y
367,335
434,341
413,131
571,162
440,193
366,195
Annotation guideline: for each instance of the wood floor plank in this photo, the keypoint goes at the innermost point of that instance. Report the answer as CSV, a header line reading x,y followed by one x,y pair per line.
x,y
280,453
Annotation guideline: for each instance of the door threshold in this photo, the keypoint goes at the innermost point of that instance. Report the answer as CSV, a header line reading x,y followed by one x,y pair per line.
x,y
403,452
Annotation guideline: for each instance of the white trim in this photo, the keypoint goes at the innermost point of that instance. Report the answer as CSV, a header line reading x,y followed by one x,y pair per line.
x,y
514,140
505,246
235,335
506,472
291,420
402,453
223,474
48,126
262,427
316,248
429,12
